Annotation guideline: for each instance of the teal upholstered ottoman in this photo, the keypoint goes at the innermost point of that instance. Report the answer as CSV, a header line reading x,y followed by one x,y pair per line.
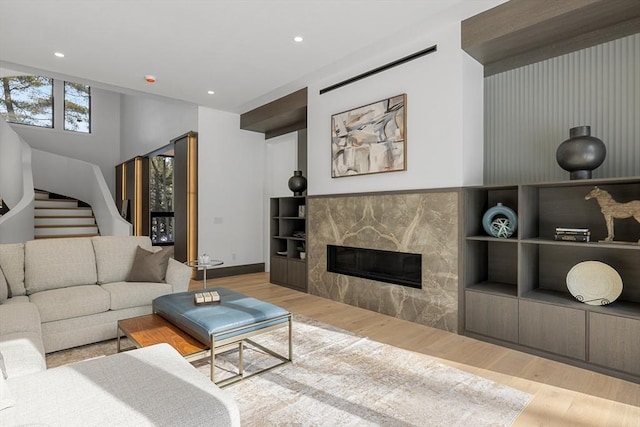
x,y
226,324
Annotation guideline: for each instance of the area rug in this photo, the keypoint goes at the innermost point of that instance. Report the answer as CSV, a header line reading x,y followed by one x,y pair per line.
x,y
340,379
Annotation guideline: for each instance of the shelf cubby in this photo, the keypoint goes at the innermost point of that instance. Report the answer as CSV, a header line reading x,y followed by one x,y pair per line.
x,y
288,270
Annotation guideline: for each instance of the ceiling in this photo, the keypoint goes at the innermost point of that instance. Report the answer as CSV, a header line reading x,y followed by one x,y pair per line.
x,y
241,49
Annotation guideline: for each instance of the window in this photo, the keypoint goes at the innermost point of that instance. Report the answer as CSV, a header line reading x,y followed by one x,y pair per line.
x,y
77,107
161,199
27,100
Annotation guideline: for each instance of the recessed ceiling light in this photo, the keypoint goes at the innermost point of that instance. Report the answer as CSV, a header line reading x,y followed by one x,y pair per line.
x,y
149,78
298,39
59,54
210,92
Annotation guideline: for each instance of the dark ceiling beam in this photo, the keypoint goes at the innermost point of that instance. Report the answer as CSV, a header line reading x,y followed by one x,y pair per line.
x,y
284,115
522,32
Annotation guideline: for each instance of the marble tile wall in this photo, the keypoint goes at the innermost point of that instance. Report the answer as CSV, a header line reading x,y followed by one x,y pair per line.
x,y
416,222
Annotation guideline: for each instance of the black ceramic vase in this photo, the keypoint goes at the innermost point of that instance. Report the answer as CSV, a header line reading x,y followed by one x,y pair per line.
x,y
581,153
297,183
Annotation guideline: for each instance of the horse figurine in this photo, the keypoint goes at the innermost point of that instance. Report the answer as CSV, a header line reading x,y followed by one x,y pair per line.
x,y
612,209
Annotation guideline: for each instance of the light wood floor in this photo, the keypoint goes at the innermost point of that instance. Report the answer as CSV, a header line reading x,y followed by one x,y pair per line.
x,y
563,395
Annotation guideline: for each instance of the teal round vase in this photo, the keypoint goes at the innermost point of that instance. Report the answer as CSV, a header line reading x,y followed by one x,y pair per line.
x,y
500,221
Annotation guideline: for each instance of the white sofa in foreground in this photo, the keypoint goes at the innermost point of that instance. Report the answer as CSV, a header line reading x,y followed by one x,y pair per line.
x,y
153,386
80,286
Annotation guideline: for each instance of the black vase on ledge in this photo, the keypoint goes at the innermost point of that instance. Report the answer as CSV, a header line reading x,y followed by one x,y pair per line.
x,y
581,153
297,183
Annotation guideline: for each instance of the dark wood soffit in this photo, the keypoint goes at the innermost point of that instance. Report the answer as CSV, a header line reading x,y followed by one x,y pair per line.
x,y
284,115
522,32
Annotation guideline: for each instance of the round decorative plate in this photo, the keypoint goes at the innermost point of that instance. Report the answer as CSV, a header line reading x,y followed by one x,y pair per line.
x,y
594,283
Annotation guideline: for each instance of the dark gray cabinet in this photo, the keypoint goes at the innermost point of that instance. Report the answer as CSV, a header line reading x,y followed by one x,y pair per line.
x,y
492,315
515,288
615,342
287,246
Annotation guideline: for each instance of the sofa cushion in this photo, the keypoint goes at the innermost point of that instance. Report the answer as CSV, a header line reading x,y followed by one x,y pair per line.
x,y
76,301
58,263
17,300
12,263
4,287
178,275
22,317
149,266
114,255
135,294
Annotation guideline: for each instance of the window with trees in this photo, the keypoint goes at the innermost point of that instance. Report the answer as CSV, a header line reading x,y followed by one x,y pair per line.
x,y
161,199
27,100
77,107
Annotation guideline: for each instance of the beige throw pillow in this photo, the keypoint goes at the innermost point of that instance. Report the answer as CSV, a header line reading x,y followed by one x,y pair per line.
x,y
149,266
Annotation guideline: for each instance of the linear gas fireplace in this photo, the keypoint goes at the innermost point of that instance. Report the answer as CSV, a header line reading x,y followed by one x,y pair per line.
x,y
400,268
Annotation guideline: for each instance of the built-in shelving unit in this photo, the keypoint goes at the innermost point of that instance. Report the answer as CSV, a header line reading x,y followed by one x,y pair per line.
x,y
288,268
515,288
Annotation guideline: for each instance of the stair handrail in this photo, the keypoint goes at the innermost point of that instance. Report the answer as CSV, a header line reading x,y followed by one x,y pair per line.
x,y
83,181
16,187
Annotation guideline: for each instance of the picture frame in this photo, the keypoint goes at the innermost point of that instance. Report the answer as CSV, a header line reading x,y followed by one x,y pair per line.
x,y
370,139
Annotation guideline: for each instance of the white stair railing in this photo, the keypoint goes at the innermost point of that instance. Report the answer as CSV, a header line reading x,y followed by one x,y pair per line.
x,y
16,186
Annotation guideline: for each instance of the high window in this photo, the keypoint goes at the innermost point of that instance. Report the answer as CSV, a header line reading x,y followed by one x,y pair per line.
x,y
27,100
77,107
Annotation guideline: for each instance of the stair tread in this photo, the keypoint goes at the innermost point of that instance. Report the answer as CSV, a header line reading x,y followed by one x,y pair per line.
x,y
61,236
61,216
70,207
66,226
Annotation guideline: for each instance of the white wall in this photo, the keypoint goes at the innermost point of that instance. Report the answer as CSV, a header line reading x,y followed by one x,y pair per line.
x,y
101,147
436,144
230,189
280,160
148,124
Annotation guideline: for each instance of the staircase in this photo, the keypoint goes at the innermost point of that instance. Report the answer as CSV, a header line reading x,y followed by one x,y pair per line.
x,y
62,217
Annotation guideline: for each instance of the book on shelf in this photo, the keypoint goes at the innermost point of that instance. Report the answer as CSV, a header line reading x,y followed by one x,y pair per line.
x,y
582,231
206,297
573,237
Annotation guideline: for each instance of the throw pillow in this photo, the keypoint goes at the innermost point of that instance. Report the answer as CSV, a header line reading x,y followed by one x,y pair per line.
x,y
149,266
4,288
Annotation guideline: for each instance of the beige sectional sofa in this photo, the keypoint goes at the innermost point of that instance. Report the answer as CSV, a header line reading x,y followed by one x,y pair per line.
x,y
79,285
61,293
153,386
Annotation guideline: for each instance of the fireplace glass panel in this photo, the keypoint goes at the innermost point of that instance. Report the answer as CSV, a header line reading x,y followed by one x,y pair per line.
x,y
400,268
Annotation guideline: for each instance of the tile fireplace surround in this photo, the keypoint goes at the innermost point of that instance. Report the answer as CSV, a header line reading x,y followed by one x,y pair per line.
x,y
424,222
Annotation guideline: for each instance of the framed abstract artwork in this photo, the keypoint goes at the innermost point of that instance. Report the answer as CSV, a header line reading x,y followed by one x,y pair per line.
x,y
370,139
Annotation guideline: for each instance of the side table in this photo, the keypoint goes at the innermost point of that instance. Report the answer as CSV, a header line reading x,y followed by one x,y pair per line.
x,y
204,266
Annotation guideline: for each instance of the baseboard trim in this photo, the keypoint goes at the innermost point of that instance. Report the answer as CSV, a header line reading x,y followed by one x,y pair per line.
x,y
235,270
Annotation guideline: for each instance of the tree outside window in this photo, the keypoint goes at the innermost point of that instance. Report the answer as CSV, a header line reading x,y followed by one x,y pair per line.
x,y
27,100
161,199
77,107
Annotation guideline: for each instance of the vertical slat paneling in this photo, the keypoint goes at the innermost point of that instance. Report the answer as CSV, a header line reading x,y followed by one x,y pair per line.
x,y
529,111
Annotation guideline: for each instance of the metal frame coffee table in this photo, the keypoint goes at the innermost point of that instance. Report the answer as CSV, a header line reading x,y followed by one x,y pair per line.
x,y
154,329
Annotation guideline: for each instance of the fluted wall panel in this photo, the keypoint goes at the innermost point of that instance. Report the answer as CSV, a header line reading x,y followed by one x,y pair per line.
x,y
529,111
